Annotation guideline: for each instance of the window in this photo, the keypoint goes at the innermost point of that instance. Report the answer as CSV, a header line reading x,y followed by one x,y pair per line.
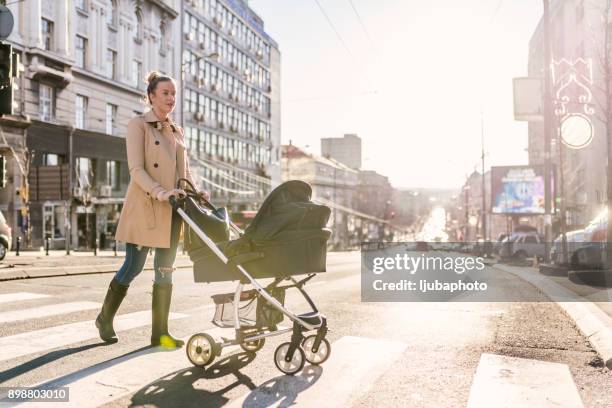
x,y
111,67
136,73
54,217
162,40
111,15
138,32
81,51
111,119
50,159
85,171
80,111
112,174
46,102
47,34
81,4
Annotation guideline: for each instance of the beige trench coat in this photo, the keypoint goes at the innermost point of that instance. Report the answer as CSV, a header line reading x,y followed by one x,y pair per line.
x,y
154,158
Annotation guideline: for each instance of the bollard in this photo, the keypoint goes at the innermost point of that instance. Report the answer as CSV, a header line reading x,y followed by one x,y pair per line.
x,y
115,248
18,245
47,239
96,243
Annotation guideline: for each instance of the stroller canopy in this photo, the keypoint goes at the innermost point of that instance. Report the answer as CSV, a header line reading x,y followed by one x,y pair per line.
x,y
286,237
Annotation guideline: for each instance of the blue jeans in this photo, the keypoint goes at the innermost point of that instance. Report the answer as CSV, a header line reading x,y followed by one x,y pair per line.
x,y
163,263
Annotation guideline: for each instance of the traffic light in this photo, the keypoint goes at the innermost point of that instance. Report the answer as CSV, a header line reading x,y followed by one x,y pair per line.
x,y
2,171
6,64
9,65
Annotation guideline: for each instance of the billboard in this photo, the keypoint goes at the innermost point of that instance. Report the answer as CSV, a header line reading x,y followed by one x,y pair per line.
x,y
517,190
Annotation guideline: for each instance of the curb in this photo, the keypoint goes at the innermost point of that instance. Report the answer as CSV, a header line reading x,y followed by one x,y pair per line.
x,y
592,322
53,271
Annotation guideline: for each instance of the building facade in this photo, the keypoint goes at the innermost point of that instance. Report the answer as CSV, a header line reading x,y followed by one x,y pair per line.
x,y
232,101
346,149
577,32
85,63
375,195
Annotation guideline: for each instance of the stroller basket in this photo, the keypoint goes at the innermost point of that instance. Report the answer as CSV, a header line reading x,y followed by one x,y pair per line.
x,y
253,310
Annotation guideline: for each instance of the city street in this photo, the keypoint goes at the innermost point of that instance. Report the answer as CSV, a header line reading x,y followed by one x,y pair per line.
x,y
383,354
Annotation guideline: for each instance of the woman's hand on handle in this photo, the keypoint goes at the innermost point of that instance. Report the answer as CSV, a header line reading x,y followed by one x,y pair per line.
x,y
204,194
166,194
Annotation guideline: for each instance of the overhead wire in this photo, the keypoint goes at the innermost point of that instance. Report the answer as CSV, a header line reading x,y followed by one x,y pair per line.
x,y
333,27
225,175
365,30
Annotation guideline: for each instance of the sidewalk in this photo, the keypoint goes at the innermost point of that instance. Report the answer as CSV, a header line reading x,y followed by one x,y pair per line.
x,y
594,320
35,264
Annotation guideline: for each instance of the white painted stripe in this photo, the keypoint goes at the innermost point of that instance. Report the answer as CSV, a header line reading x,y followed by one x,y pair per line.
x,y
19,296
46,339
354,365
45,311
503,381
103,383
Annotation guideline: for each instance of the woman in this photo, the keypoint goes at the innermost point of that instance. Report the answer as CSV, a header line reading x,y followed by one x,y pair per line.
x,y
157,158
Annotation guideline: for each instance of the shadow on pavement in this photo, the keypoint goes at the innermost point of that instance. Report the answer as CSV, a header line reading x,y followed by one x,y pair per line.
x,y
69,378
42,360
594,277
181,388
282,391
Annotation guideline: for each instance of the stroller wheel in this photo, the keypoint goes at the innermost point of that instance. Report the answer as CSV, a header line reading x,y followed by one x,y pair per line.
x,y
292,366
201,349
253,346
318,356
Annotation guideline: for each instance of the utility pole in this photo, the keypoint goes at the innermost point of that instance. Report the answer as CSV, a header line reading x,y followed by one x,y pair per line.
x,y
467,211
547,128
484,203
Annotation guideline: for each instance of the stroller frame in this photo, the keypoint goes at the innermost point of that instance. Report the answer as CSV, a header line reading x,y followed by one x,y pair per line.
x,y
289,357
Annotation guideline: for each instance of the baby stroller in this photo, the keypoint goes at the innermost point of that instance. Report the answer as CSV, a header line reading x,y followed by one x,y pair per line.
x,y
286,237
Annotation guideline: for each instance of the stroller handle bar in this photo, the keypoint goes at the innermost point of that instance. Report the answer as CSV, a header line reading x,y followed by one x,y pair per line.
x,y
193,192
213,247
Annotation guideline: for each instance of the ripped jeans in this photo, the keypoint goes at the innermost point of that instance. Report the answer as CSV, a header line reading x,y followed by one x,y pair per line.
x,y
163,263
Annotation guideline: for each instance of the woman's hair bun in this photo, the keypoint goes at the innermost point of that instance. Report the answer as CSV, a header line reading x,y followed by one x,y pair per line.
x,y
153,75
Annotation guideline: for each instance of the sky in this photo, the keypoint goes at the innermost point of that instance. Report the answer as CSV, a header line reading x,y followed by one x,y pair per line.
x,y
414,79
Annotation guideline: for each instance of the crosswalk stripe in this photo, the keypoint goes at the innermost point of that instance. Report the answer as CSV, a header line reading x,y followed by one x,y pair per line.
x,y
103,383
343,378
20,296
45,339
503,381
45,311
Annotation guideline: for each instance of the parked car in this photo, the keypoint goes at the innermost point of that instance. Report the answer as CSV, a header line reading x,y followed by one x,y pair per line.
x,y
5,237
483,248
522,245
585,247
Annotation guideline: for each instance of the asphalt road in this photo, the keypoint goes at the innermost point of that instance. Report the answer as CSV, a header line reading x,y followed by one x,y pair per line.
x,y
383,354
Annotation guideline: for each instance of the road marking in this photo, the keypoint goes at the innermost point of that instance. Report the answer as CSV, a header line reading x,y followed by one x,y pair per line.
x,y
502,381
20,296
46,339
45,311
105,382
353,367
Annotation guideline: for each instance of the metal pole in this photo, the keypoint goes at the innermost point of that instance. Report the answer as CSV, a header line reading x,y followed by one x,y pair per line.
x,y
547,129
563,221
484,205
467,213
67,223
